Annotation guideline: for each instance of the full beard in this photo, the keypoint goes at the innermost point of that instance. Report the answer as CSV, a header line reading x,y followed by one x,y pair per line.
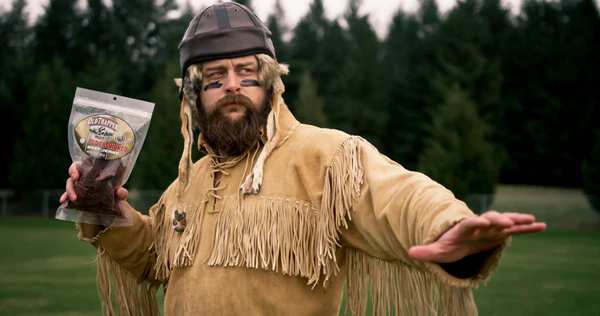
x,y
232,138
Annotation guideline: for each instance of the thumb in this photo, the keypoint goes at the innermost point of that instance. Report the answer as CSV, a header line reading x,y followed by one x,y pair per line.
x,y
423,253
122,194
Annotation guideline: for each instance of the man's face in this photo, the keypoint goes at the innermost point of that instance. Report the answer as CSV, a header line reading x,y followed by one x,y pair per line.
x,y
224,78
233,107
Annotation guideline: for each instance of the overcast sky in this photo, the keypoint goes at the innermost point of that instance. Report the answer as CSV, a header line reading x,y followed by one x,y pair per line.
x,y
380,11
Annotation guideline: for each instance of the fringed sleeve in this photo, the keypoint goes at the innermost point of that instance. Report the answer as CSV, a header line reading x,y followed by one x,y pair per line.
x,y
398,209
125,258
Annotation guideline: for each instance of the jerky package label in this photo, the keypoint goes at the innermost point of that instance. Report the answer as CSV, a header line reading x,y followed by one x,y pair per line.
x,y
104,136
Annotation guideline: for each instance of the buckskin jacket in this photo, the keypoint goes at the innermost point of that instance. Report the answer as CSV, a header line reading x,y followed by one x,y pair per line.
x,y
332,213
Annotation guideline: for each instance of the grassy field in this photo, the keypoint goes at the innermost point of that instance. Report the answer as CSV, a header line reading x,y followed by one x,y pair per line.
x,y
45,270
554,273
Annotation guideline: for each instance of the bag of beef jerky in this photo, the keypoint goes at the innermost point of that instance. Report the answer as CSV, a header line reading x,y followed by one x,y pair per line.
x,y
106,133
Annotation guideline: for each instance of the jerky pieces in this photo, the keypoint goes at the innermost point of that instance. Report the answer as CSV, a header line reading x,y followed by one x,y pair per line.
x,y
96,186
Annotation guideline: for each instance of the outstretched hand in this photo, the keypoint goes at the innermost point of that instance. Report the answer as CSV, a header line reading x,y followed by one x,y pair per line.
x,y
476,234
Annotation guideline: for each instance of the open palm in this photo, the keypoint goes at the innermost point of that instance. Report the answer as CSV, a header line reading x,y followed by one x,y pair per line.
x,y
476,234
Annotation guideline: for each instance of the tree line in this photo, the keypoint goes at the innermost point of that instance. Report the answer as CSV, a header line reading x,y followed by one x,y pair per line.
x,y
475,96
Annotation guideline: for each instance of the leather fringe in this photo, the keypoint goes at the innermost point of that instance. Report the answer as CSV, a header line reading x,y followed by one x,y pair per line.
x,y
174,249
290,236
117,285
398,289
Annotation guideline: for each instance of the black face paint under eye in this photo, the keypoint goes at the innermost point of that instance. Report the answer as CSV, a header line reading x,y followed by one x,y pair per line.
x,y
249,83
213,85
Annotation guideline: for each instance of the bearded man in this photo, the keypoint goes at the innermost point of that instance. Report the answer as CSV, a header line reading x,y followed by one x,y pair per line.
x,y
279,216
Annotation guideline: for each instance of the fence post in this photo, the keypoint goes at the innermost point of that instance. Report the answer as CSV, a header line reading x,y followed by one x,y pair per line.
x,y
5,195
45,198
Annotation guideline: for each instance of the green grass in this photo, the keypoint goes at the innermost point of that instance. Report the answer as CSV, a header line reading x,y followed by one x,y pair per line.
x,y
45,270
553,273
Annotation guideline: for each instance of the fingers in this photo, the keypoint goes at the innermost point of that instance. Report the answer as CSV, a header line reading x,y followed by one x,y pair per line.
x,y
71,190
520,218
522,223
63,198
527,228
498,220
70,187
122,193
469,225
489,228
69,194
74,170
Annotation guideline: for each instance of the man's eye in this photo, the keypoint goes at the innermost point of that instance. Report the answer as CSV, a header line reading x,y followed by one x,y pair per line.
x,y
213,75
247,71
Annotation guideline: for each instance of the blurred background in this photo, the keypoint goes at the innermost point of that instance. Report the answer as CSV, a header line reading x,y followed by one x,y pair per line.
x,y
497,100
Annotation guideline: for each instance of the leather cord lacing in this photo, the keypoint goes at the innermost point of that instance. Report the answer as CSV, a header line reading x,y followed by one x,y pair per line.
x,y
219,165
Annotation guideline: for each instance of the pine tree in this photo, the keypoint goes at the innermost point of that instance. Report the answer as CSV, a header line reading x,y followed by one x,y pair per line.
x,y
460,56
56,35
332,56
157,163
15,69
96,30
557,104
429,16
497,22
458,153
405,89
574,86
136,26
276,23
361,109
170,33
96,77
316,15
308,33
309,107
307,37
460,52
14,31
41,153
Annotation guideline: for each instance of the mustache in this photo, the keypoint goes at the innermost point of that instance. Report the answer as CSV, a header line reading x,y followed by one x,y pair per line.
x,y
235,98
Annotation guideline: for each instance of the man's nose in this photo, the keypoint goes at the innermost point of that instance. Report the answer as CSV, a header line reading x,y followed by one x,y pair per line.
x,y
232,83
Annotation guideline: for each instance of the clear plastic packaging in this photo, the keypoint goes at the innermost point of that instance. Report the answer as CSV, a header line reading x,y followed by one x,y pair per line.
x,y
106,133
